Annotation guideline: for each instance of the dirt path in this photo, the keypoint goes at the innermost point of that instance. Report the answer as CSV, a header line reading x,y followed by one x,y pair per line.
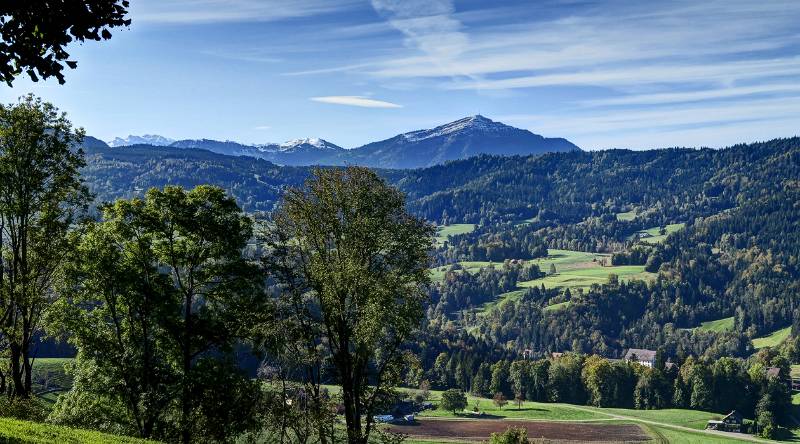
x,y
739,436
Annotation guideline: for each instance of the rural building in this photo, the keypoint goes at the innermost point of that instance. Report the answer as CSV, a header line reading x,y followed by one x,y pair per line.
x,y
730,423
645,357
775,373
527,354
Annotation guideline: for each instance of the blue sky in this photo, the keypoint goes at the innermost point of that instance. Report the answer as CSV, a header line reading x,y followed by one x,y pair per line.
x,y
600,73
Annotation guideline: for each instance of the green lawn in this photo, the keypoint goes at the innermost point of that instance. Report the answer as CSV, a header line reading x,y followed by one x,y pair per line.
x,y
796,371
25,432
443,232
772,339
655,233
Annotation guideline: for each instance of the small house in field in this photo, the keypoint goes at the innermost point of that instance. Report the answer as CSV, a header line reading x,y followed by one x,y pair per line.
x,y
644,357
730,423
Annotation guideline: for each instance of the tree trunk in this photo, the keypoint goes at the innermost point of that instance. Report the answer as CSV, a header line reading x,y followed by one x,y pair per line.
x,y
187,367
18,390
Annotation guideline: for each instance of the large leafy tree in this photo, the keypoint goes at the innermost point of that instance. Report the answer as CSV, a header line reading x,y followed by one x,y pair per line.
x,y
34,35
353,264
162,293
41,196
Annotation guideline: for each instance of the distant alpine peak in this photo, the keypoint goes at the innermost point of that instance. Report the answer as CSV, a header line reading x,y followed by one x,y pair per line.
x,y
312,141
147,139
467,124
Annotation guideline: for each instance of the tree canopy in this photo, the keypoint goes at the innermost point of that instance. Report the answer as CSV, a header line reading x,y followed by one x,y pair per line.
x,y
34,35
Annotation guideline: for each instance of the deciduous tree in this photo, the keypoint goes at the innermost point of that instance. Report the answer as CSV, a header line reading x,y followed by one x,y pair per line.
x,y
353,265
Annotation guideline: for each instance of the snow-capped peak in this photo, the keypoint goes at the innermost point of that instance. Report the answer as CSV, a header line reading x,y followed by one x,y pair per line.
x,y
147,139
311,141
471,123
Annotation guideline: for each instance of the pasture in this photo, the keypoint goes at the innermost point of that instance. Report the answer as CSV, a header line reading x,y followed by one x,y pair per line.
x,y
554,420
772,339
716,326
445,231
654,235
573,269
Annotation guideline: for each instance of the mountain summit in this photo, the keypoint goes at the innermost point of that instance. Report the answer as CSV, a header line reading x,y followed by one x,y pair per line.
x,y
147,139
467,137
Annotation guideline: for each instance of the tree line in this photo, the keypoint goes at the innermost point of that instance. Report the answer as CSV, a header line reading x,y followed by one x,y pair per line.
x,y
756,387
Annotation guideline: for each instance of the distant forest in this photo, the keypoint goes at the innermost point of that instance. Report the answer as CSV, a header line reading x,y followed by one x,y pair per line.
x,y
736,257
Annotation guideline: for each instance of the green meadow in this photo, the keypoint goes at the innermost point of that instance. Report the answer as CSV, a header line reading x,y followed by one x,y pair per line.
x,y
772,339
627,216
443,232
573,269
655,235
663,425
716,326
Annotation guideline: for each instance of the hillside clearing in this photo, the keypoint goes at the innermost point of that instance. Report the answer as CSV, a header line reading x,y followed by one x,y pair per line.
x,y
716,326
443,232
574,270
772,339
653,235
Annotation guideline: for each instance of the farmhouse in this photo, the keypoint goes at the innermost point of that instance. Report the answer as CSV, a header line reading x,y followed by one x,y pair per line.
x,y
730,423
644,357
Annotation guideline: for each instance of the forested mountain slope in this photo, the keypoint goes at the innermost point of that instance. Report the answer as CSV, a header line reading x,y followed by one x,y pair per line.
x,y
736,255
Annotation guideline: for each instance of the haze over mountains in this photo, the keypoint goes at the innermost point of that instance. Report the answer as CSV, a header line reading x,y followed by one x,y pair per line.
x,y
461,139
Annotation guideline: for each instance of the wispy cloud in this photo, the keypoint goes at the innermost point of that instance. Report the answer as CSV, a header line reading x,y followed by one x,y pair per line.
x,y
363,102
217,11
429,26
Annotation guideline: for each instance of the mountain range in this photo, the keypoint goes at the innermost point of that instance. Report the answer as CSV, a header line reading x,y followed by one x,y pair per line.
x,y
461,139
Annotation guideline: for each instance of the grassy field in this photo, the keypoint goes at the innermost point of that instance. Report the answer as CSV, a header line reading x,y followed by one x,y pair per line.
x,y
574,270
655,233
627,216
528,410
796,371
586,277
694,419
717,326
672,436
535,411
48,374
451,230
24,432
772,339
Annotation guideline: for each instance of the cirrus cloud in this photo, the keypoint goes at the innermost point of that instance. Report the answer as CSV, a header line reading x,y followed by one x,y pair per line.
x,y
363,102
